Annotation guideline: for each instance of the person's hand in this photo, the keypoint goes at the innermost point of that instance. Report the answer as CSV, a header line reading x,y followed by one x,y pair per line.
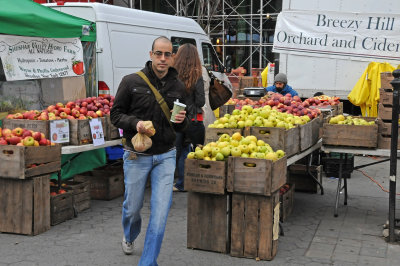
x,y
141,128
180,117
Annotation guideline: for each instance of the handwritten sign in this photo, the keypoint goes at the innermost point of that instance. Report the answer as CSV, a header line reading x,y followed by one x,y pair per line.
x,y
59,131
96,129
36,58
338,34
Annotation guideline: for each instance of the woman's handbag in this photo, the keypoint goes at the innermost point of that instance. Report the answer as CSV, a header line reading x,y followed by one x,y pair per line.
x,y
218,94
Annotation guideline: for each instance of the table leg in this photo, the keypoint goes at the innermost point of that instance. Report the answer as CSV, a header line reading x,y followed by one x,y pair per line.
x,y
345,182
308,168
339,188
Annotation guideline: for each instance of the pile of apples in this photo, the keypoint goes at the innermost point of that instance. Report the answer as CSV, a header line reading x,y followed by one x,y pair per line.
x,y
23,137
259,117
322,100
285,188
87,108
349,120
237,146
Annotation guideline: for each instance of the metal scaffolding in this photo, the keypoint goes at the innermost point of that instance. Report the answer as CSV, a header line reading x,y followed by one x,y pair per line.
x,y
240,28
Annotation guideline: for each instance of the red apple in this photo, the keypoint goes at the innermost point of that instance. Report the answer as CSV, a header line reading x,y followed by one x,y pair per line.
x,y
83,110
43,142
14,140
59,105
18,116
63,115
70,105
99,113
3,141
51,108
75,113
37,136
84,104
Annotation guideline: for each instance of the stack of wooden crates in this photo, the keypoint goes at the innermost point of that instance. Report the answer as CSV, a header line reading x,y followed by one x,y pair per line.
x,y
385,111
233,205
25,187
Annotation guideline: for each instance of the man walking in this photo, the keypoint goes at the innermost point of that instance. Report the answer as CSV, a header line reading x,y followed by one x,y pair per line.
x,y
134,103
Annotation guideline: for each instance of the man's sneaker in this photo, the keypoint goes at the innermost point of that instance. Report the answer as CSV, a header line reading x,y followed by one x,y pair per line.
x,y
127,247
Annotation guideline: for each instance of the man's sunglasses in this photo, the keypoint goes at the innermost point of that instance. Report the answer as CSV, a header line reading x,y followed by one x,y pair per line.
x,y
159,54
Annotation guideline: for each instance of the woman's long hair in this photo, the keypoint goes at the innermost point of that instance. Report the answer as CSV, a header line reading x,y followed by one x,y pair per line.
x,y
187,63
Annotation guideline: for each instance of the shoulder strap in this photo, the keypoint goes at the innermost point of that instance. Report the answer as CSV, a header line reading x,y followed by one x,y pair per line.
x,y
158,96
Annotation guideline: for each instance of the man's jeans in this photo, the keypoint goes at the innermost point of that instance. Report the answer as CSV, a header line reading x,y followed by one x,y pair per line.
x,y
161,169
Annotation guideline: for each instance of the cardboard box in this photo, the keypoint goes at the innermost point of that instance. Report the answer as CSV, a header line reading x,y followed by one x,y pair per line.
x,y
63,89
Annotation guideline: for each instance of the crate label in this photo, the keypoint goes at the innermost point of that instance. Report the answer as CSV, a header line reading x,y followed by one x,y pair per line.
x,y
59,131
275,227
207,179
97,131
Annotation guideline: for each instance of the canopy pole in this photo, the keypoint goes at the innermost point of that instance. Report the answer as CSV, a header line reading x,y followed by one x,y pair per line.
x,y
393,155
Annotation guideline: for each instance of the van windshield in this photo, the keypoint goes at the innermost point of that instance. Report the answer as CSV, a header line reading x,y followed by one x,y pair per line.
x,y
178,41
211,61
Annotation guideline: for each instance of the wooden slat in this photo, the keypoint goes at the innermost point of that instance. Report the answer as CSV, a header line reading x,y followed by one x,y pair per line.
x,y
213,134
237,225
42,126
265,243
251,225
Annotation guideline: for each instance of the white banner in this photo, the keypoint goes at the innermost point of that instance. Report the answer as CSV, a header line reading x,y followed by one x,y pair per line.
x,y
37,58
337,34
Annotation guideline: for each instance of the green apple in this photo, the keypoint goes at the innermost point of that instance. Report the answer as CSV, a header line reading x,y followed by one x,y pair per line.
x,y
236,151
260,155
244,155
248,123
262,149
224,137
280,153
281,124
190,155
236,112
252,147
237,136
199,154
226,151
258,123
28,141
240,124
267,123
219,156
234,143
214,151
244,148
271,156
260,142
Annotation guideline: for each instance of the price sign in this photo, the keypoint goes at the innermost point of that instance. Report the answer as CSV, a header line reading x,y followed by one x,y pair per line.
x,y
59,131
96,130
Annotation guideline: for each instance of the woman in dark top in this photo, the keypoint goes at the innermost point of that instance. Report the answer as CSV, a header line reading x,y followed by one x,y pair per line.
x,y
188,65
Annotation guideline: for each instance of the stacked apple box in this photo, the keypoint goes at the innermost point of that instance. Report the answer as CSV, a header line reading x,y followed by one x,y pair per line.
x,y
208,224
385,111
298,176
105,183
80,194
365,136
213,134
286,198
61,207
111,131
309,133
255,185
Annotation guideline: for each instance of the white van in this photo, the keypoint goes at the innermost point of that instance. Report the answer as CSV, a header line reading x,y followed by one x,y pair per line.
x,y
125,36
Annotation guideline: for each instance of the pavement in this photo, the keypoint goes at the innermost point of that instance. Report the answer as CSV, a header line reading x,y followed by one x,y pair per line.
x,y
312,235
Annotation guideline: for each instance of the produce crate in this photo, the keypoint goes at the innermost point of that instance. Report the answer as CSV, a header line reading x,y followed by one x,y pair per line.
x,y
279,138
247,82
384,112
386,97
330,163
384,142
287,202
208,221
351,135
309,133
385,127
255,176
42,126
111,131
106,183
25,205
255,226
79,131
337,109
298,176
80,194
213,134
226,109
61,208
205,176
386,78
21,162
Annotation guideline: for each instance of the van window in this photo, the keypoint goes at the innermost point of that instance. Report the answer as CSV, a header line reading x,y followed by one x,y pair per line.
x,y
210,58
178,41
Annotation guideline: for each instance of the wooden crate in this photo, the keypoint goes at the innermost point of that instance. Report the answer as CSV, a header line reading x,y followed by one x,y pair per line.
x,y
105,184
298,176
384,112
205,176
25,205
309,133
226,109
384,142
279,138
61,208
351,135
112,131
16,161
385,127
79,131
386,97
213,134
42,126
80,194
247,82
255,226
255,176
287,202
208,222
386,78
